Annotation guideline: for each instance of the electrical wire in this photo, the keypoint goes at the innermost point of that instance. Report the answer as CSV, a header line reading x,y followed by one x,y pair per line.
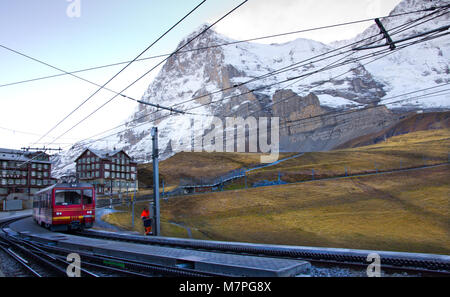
x,y
225,44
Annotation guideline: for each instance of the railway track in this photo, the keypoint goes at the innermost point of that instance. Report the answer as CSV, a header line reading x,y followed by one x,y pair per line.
x,y
45,259
390,261
38,259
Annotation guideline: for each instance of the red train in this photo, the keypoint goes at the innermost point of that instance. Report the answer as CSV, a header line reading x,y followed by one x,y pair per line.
x,y
65,206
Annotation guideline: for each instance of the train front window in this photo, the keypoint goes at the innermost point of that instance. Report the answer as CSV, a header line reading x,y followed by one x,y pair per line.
x,y
67,197
87,196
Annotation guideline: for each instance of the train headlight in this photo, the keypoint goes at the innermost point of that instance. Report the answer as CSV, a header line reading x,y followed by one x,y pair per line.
x,y
58,213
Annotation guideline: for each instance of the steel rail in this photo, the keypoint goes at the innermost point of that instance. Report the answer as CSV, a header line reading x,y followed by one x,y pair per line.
x,y
318,255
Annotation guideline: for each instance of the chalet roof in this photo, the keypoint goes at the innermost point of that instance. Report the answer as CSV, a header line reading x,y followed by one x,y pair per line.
x,y
103,154
20,156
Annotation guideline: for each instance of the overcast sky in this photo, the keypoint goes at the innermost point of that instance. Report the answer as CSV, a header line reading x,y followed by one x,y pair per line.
x,y
99,32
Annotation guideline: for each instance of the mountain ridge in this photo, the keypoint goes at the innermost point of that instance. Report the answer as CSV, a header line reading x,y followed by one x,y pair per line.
x,y
190,81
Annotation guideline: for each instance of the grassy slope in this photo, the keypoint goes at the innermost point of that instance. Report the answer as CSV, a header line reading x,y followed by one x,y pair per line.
x,y
197,165
402,211
410,150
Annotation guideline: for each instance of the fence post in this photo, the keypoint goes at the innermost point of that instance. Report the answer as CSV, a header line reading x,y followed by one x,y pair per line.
x,y
375,164
346,171
312,173
245,177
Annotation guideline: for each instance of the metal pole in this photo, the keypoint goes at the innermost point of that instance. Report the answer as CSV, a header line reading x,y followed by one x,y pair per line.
x,y
132,205
110,194
126,198
157,229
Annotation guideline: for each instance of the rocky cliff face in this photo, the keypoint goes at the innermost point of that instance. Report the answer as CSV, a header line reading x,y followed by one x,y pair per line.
x,y
306,105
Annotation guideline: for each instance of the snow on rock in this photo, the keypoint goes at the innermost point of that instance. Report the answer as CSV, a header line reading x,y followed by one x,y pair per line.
x,y
190,81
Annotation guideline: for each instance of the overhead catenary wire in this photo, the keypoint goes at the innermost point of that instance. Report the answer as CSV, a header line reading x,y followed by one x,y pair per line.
x,y
415,23
104,85
120,71
190,109
88,81
158,106
287,68
146,73
309,120
226,44
180,48
388,53
163,116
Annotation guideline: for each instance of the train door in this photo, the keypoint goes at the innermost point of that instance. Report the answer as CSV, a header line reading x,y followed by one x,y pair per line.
x,y
68,207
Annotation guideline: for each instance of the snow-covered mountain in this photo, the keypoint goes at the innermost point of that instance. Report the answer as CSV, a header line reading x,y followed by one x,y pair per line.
x,y
419,66
307,79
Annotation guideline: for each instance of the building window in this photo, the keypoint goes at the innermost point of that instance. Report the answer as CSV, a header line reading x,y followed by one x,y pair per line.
x,y
107,166
97,174
106,174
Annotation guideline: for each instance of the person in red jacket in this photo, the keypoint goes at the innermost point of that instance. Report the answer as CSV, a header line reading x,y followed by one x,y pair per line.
x,y
145,216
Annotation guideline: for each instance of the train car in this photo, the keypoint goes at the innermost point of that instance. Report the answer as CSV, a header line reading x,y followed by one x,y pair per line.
x,y
65,206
